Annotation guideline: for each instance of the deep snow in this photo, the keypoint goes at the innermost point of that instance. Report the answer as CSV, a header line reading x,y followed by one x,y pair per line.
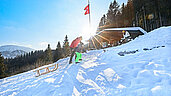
x,y
143,73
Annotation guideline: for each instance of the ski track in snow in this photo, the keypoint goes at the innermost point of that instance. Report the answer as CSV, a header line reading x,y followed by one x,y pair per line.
x,y
145,73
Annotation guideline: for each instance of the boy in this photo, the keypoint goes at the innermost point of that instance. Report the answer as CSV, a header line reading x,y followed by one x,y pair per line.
x,y
73,46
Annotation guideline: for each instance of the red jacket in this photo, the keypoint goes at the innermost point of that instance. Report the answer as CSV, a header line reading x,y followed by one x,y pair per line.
x,y
75,42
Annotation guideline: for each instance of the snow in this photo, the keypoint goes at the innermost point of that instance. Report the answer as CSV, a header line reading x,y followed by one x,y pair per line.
x,y
11,51
157,88
120,86
127,28
11,48
50,80
75,92
105,73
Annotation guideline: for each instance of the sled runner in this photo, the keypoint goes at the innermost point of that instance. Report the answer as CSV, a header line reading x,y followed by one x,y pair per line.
x,y
46,70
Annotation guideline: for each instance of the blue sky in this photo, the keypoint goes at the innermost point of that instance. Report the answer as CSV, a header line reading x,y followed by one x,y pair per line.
x,y
35,23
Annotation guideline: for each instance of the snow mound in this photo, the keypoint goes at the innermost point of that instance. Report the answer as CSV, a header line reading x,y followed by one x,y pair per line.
x,y
105,73
157,37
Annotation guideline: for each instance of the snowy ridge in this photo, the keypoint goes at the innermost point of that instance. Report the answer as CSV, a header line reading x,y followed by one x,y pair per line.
x,y
11,51
104,73
13,54
14,47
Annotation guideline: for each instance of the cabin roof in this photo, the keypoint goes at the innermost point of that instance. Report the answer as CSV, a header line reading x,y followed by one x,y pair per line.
x,y
126,29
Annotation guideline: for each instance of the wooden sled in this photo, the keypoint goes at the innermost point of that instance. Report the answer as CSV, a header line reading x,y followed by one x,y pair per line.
x,y
46,70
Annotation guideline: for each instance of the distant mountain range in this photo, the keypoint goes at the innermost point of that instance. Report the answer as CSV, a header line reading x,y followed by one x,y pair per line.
x,y
11,51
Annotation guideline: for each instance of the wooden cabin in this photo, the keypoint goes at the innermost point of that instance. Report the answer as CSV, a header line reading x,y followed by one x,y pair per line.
x,y
114,36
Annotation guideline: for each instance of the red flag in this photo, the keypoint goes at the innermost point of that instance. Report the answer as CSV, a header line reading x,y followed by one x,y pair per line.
x,y
87,10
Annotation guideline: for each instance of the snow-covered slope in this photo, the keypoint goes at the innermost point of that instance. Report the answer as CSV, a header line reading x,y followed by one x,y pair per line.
x,y
145,72
9,51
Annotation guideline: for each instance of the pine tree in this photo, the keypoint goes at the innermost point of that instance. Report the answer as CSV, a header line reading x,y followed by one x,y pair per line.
x,y
2,67
123,15
66,47
112,13
59,46
102,21
130,12
58,52
40,61
48,55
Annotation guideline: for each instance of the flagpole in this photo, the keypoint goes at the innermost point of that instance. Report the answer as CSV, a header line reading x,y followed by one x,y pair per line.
x,y
89,25
89,14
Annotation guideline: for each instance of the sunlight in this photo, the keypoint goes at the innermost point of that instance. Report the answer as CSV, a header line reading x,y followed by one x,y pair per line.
x,y
94,43
98,41
87,32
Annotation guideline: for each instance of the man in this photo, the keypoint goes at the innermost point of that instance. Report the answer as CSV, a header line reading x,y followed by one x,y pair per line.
x,y
73,46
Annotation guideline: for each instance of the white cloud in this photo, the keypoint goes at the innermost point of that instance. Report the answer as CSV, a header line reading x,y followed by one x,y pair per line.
x,y
30,46
44,44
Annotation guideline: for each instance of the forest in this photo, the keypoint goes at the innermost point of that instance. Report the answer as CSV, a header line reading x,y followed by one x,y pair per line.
x,y
147,14
32,60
